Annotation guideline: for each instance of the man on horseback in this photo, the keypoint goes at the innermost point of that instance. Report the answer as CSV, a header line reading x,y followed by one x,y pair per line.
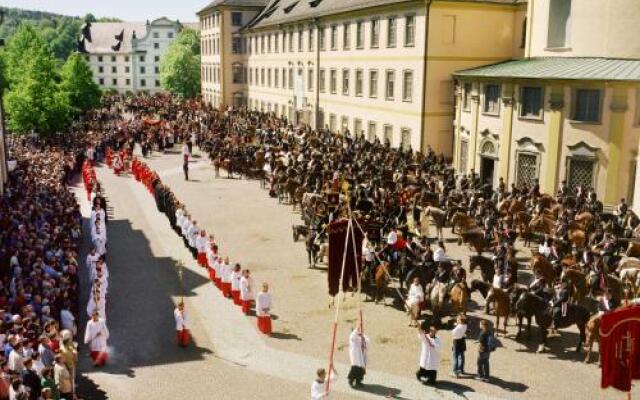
x,y
559,304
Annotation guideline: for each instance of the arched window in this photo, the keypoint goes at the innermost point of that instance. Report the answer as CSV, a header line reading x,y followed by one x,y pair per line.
x,y
559,23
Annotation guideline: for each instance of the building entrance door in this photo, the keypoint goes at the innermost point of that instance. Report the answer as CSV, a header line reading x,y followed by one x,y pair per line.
x,y
487,170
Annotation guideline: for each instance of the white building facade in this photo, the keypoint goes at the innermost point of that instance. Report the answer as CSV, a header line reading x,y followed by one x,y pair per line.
x,y
126,56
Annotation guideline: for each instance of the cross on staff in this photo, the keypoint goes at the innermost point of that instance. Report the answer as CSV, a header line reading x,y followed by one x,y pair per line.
x,y
180,270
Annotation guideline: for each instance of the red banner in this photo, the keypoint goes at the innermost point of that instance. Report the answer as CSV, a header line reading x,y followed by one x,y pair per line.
x,y
620,348
337,234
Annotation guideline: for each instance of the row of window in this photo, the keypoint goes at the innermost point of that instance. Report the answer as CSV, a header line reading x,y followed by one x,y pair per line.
x,y
127,82
339,36
210,46
210,73
586,107
127,69
156,35
269,77
141,58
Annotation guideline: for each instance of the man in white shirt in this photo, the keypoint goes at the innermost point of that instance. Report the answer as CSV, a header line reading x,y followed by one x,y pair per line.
x,y
319,386
92,259
459,345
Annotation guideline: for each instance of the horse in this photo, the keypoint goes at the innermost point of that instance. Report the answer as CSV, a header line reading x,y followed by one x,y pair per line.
x,y
633,250
577,283
299,230
480,286
540,263
475,239
514,295
576,237
312,247
437,297
530,304
593,335
462,221
502,306
459,296
439,218
485,264
382,280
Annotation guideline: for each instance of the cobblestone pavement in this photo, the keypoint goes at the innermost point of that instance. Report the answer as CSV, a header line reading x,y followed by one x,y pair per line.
x,y
230,356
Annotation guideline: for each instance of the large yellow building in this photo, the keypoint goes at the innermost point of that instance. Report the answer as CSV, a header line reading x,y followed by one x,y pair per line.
x,y
382,68
568,111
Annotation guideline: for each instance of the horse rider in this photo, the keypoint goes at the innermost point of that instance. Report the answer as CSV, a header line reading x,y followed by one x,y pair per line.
x,y
559,304
538,285
621,211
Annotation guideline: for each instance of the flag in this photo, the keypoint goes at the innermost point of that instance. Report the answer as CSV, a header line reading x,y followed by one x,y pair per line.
x,y
337,234
620,348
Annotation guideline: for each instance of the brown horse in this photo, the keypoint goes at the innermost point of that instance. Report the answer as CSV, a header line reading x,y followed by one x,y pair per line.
x,y
577,283
540,263
593,335
461,221
439,218
382,282
437,296
474,238
542,224
577,237
633,250
501,305
583,220
459,296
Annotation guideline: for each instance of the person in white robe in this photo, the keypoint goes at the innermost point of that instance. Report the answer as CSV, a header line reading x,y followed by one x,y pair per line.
x,y
246,291
226,277
236,275
358,349
182,330
202,244
264,304
96,336
429,356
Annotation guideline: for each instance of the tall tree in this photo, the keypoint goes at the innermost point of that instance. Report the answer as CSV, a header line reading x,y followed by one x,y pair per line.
x,y
34,102
77,85
180,67
19,48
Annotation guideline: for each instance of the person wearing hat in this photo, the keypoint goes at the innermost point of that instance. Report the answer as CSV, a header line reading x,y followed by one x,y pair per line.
x,y
182,331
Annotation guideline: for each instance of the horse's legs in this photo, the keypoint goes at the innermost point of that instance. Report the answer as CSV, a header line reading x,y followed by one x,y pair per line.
x,y
581,339
529,328
589,348
519,323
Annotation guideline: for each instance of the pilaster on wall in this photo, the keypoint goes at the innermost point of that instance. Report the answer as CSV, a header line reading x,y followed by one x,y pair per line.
x,y
556,116
505,132
456,130
475,114
616,135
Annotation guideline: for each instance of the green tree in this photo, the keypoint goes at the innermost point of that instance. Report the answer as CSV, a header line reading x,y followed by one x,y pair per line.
x,y
34,102
190,38
180,67
77,85
19,48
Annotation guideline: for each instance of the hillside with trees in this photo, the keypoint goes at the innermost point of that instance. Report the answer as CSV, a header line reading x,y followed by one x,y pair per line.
x,y
59,32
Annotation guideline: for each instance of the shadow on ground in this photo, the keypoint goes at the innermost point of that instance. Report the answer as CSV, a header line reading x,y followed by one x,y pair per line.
x,y
139,308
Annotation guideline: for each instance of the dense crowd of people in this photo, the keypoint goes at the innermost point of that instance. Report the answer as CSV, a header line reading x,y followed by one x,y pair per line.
x,y
41,225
